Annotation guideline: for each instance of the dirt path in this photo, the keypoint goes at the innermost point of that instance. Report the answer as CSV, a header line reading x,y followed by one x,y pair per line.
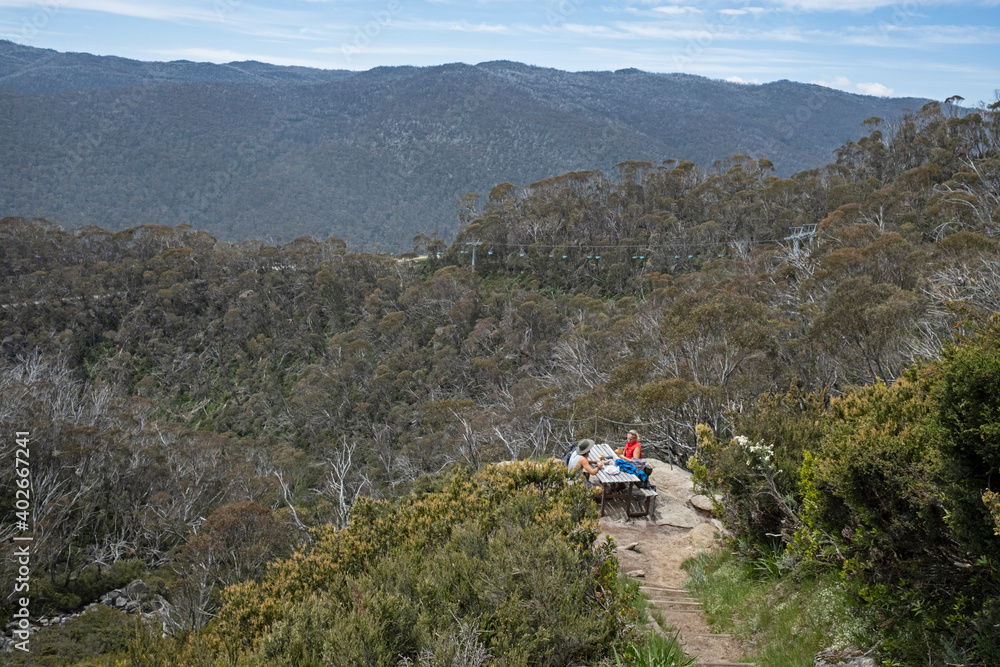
x,y
652,549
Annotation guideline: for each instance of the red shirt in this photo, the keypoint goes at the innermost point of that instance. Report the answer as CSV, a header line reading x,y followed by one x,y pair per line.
x,y
630,448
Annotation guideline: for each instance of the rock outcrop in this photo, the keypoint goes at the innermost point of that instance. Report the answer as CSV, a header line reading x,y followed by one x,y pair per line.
x,y
849,657
135,598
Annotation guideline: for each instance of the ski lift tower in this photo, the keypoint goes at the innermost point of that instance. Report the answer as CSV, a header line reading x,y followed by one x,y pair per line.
x,y
474,244
797,234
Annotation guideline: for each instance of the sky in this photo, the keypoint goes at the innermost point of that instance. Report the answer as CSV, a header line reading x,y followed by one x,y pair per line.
x,y
922,48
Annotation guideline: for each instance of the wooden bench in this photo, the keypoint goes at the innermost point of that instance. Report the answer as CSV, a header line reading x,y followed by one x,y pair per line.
x,y
644,497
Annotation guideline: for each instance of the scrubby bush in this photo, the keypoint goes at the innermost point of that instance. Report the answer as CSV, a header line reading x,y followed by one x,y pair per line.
x,y
965,387
877,475
501,563
758,470
89,639
655,651
992,501
786,621
67,594
896,488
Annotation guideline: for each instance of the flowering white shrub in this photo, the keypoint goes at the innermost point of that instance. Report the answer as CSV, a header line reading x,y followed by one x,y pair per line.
x,y
759,455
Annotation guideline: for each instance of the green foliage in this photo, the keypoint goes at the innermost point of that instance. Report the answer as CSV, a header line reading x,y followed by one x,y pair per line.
x,y
66,595
101,632
992,502
893,481
758,478
654,651
147,647
500,562
895,493
786,620
866,318
237,541
967,397
879,439
166,376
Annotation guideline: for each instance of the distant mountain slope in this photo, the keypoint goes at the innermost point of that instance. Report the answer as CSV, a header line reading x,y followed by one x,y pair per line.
x,y
253,150
30,70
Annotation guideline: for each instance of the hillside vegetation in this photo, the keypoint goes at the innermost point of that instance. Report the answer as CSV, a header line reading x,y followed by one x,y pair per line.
x,y
248,150
199,408
892,487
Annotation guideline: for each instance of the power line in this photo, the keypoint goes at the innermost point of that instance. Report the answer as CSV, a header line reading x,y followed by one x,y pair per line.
x,y
639,252
600,246
571,420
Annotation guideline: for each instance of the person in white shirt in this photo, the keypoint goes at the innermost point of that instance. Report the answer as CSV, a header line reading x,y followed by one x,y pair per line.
x,y
578,461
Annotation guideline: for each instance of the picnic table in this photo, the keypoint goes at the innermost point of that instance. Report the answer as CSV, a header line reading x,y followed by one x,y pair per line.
x,y
621,485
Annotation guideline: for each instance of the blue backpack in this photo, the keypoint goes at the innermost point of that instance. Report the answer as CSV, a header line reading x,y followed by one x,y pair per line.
x,y
627,466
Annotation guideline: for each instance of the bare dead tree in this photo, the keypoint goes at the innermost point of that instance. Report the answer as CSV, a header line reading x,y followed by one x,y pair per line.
x,y
287,494
572,353
980,195
338,484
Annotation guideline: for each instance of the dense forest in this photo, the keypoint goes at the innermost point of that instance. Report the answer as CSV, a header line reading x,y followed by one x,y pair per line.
x,y
249,150
199,408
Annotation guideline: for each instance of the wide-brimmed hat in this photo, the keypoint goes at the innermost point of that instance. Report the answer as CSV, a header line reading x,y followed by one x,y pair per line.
x,y
584,446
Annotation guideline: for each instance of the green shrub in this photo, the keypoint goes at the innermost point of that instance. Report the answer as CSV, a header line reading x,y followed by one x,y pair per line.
x,y
654,650
894,490
992,502
87,585
787,619
757,472
966,392
899,482
877,477
100,632
500,563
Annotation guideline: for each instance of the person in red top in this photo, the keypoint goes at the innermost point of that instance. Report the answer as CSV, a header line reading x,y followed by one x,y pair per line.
x,y
632,449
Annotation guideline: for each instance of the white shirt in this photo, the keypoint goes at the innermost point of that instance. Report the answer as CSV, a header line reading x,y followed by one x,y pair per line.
x,y
575,461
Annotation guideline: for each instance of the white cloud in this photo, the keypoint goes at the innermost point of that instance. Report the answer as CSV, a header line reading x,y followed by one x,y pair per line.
x,y
675,10
689,32
893,36
876,89
703,34
592,30
742,11
144,10
782,34
455,26
719,63
838,82
955,34
233,14
836,5
737,79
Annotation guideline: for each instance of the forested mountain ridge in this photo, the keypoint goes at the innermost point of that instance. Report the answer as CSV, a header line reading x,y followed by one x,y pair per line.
x,y
27,69
248,150
193,381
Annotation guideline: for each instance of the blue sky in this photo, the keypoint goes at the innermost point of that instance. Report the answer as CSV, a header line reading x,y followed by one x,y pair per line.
x,y
921,48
